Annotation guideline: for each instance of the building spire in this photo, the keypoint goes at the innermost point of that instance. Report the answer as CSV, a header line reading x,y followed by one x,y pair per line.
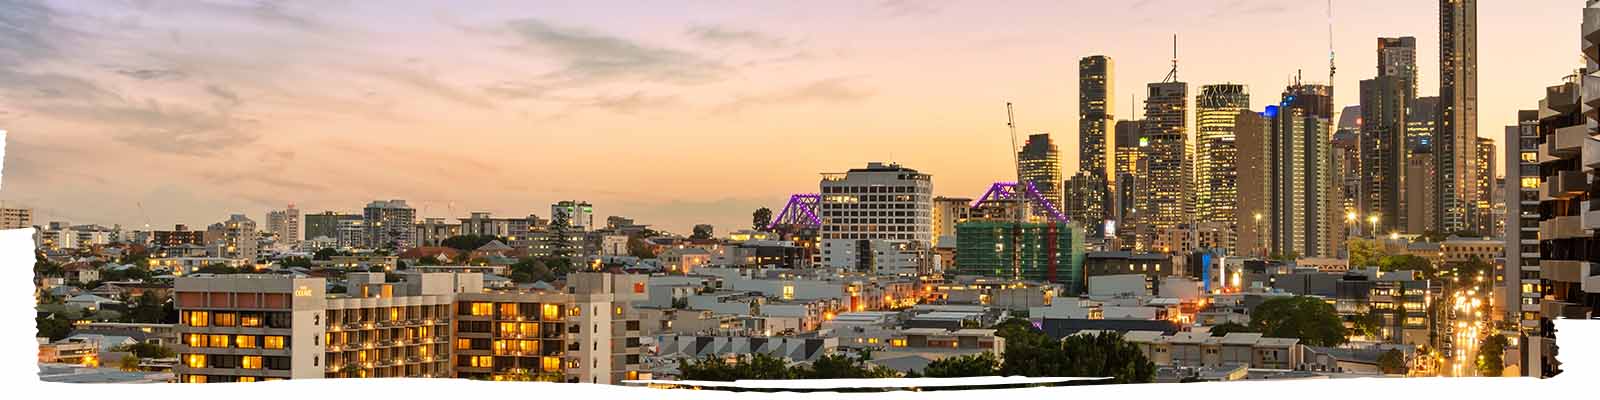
x,y
1172,76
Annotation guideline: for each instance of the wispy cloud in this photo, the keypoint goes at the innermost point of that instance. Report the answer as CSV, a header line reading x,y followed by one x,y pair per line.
x,y
587,57
716,35
152,74
631,103
909,8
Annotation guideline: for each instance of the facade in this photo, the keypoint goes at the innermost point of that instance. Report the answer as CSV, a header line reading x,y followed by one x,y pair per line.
x,y
1096,141
235,238
1397,57
580,214
1036,252
433,231
1566,269
947,212
1484,187
325,224
1039,163
1299,176
879,203
1521,273
1216,158
285,224
1455,139
1383,151
16,218
1252,208
1167,199
179,235
1083,204
1130,167
389,224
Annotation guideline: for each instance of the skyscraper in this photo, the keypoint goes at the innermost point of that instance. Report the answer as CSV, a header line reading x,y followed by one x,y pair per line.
x,y
1251,137
1299,176
1521,275
1483,187
1129,171
1039,162
1397,57
1216,152
1167,201
1095,94
1383,151
1455,139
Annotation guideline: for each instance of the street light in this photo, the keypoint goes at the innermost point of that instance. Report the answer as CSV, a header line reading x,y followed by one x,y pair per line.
x,y
1374,220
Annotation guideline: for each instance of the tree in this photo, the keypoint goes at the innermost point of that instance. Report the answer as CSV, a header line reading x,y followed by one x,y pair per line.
x,y
295,262
468,242
1309,319
148,350
559,240
760,218
701,232
1364,252
128,363
1405,262
1393,362
1369,324
1223,329
1491,355
757,366
219,269
53,327
148,308
963,366
531,270
1107,354
324,254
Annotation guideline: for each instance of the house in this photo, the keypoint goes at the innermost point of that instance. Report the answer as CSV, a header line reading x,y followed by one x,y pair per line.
x,y
80,271
89,302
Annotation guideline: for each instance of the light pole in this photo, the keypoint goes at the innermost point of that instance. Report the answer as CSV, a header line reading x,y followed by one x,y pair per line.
x,y
1261,236
1374,220
1350,221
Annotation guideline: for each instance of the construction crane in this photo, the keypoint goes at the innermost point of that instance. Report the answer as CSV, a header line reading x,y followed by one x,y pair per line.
x,y
1011,123
143,214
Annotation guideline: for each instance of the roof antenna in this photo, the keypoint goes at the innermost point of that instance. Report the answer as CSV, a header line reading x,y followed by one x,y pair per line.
x,y
1172,76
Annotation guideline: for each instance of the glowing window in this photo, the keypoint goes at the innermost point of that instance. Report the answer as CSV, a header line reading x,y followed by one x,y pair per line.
x,y
226,319
250,362
198,318
195,361
219,341
273,342
245,341
482,309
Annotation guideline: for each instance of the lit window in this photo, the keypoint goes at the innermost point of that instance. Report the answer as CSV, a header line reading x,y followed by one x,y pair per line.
x,y
198,318
219,341
227,319
247,379
250,362
463,344
195,361
482,309
508,310
273,342
250,320
194,379
245,341
551,364
195,340
552,312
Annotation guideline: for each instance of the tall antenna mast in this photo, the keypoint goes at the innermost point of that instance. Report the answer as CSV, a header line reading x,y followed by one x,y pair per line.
x,y
1331,67
1011,123
1172,76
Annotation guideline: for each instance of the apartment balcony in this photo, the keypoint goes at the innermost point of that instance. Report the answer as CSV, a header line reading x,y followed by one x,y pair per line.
x,y
1567,142
1591,216
1552,309
1591,150
1566,185
1561,227
1564,270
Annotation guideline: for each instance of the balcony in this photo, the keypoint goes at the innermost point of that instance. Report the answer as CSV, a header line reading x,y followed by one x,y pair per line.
x,y
1591,216
1561,227
1567,142
1552,309
1564,270
1591,151
1567,184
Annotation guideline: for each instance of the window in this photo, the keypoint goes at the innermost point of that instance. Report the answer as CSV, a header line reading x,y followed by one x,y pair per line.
x,y
551,364
194,379
509,310
273,342
250,320
250,362
481,361
195,361
219,341
226,319
482,309
194,340
197,318
247,379
245,341
463,344
552,312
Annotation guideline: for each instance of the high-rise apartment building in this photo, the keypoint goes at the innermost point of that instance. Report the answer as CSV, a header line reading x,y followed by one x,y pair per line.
x,y
1167,200
1130,167
285,224
1383,152
1455,141
235,238
1565,263
1521,273
1097,148
1084,195
947,212
1397,57
326,224
1299,176
16,218
390,224
1483,187
1252,135
882,206
1039,163
1216,152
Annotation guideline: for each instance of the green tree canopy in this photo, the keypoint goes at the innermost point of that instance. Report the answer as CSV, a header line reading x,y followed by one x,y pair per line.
x,y
468,242
760,218
1223,329
963,366
1491,356
1309,319
1393,362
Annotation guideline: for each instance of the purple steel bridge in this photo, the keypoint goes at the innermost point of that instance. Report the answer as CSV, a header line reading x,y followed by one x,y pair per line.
x,y
801,210
1010,191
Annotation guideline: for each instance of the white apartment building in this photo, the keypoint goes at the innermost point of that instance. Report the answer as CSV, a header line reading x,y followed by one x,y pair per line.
x,y
872,217
285,224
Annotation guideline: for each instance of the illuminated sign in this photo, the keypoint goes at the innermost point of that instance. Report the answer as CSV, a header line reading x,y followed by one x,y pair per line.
x,y
302,291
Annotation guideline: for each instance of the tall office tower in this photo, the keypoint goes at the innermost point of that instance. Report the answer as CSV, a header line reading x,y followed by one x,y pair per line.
x,y
580,214
1169,179
1455,139
1084,195
947,212
234,238
1095,102
1422,119
1216,152
1420,207
1299,180
877,219
1483,187
1129,169
1383,152
389,225
1521,273
1251,136
326,224
285,224
1397,57
1345,159
1039,163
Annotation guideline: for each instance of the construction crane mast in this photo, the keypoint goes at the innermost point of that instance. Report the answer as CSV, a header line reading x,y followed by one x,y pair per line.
x,y
1011,123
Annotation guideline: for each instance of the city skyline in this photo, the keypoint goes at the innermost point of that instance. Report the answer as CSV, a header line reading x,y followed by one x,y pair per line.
x,y
202,117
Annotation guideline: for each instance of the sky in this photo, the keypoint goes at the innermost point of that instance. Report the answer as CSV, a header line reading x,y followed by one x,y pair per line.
x,y
159,112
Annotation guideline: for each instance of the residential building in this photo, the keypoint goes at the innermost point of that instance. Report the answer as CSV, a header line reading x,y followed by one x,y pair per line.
x,y
389,225
1484,187
326,224
1252,203
235,238
1397,57
1130,167
884,203
1216,151
1301,207
1039,163
1096,147
285,225
1455,140
16,218
947,212
179,235
580,214
1383,152
1037,252
1521,274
